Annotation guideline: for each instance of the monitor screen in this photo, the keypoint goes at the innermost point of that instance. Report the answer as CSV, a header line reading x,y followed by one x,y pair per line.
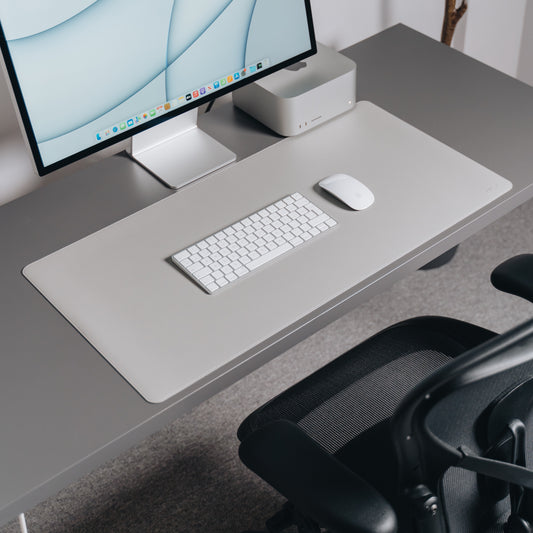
x,y
89,73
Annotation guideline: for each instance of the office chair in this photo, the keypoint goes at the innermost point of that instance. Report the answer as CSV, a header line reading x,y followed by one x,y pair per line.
x,y
419,429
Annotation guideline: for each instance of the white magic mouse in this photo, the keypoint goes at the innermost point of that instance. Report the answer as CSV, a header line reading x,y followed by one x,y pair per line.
x,y
348,190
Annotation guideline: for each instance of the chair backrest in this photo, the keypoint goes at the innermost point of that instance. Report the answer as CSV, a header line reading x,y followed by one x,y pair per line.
x,y
465,416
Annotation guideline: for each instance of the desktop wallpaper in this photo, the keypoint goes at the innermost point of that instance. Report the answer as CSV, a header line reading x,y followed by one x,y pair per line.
x,y
92,69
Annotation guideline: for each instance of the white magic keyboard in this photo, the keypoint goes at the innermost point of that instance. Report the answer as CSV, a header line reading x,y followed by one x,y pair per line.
x,y
233,252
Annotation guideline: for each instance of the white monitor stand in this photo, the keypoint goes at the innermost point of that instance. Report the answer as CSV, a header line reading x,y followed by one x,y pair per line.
x,y
178,152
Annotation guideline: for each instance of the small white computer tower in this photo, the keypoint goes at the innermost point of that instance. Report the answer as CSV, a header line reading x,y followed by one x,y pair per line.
x,y
302,96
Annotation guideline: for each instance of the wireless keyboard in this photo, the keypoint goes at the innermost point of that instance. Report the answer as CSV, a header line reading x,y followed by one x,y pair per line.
x,y
229,254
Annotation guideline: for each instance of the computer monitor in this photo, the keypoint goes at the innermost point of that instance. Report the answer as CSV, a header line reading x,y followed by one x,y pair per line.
x,y
86,74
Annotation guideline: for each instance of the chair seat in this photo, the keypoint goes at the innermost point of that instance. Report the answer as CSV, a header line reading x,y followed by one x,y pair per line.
x,y
346,405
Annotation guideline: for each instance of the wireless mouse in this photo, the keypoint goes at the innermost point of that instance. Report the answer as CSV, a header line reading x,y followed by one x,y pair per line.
x,y
348,190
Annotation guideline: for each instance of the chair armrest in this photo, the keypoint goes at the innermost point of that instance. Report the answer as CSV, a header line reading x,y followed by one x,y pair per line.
x,y
515,276
317,483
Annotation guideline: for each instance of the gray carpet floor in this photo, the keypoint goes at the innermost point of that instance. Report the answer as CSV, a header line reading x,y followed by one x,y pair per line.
x,y
187,478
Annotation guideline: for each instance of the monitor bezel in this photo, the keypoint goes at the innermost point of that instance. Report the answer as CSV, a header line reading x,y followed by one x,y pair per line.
x,y
27,129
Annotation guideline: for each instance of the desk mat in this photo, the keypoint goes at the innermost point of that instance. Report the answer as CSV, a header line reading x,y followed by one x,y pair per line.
x,y
167,337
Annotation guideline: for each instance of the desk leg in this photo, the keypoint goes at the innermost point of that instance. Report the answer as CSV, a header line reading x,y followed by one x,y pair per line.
x,y
446,257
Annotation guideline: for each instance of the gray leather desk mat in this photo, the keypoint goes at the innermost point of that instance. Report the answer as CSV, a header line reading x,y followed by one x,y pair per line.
x,y
165,335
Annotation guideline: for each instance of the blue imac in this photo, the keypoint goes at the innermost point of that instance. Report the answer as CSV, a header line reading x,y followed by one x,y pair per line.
x,y
86,74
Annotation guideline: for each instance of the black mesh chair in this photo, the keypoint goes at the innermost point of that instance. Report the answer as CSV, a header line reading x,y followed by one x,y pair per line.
x,y
421,428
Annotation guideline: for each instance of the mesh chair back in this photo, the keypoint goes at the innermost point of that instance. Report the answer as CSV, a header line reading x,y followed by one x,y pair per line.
x,y
445,417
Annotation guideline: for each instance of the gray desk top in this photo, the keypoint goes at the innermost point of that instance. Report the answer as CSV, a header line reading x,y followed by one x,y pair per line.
x,y
64,410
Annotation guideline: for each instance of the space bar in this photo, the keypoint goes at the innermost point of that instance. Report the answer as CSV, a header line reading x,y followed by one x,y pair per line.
x,y
268,256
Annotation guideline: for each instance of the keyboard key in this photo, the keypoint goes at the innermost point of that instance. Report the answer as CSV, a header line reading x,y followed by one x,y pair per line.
x,y
182,255
322,218
202,272
206,280
194,268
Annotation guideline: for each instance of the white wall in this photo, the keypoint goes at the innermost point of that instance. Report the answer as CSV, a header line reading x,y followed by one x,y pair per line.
x,y
491,31
497,32
340,23
525,61
494,32
8,121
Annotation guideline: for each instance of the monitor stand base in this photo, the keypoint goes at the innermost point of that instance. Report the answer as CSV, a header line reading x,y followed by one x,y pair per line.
x,y
178,152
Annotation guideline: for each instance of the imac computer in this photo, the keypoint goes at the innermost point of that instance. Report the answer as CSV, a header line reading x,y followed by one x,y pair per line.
x,y
87,74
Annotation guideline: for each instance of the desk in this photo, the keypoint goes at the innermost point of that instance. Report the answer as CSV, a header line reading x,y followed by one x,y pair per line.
x,y
63,409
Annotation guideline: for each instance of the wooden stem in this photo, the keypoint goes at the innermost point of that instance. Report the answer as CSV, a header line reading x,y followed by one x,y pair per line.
x,y
452,15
